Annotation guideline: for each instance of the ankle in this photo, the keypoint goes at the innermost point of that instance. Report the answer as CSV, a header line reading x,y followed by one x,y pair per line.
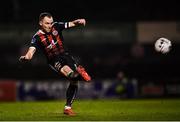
x,y
67,107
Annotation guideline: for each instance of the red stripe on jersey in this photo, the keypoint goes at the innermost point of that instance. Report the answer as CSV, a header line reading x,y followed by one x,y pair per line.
x,y
43,41
59,41
50,40
61,49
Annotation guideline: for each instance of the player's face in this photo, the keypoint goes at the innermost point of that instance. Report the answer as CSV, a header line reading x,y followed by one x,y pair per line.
x,y
46,24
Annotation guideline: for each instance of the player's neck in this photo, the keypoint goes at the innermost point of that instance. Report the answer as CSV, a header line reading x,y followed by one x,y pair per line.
x,y
41,31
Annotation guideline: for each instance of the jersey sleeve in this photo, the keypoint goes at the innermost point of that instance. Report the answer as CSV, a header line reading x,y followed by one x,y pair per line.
x,y
33,42
61,25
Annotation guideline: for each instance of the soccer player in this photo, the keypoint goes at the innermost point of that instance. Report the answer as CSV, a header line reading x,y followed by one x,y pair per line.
x,y
49,40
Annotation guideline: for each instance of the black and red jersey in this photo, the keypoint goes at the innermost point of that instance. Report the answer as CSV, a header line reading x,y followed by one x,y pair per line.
x,y
50,43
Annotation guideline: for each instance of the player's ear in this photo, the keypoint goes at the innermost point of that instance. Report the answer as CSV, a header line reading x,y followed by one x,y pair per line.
x,y
40,23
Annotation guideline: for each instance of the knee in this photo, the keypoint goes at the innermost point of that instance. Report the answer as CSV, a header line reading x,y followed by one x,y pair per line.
x,y
70,74
66,70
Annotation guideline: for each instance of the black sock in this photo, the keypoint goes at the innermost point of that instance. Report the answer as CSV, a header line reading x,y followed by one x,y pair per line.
x,y
74,77
71,93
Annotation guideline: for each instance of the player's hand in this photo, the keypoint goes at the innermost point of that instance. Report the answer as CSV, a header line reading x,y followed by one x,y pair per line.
x,y
80,22
23,59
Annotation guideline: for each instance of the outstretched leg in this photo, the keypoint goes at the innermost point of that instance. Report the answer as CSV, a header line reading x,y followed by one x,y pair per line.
x,y
79,74
81,70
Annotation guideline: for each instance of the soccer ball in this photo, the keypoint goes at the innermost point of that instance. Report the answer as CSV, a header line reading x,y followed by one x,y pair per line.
x,y
163,45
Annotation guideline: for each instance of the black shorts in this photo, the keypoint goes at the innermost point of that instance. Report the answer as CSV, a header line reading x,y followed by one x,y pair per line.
x,y
63,59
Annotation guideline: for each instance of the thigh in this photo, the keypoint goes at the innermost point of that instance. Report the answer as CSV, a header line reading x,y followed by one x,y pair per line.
x,y
70,61
59,62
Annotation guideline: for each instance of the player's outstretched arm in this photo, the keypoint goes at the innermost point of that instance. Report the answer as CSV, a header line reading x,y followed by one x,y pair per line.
x,y
28,55
77,22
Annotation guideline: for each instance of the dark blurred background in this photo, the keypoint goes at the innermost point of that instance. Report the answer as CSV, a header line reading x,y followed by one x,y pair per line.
x,y
118,38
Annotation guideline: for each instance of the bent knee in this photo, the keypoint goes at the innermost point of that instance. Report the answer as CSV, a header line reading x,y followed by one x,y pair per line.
x,y
69,73
66,70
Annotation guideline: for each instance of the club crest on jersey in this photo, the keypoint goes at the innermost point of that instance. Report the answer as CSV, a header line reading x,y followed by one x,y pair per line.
x,y
55,33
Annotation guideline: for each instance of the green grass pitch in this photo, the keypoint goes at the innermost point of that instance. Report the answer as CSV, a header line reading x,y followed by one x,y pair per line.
x,y
87,110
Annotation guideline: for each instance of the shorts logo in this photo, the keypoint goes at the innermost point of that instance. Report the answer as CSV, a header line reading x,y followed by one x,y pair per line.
x,y
57,65
55,33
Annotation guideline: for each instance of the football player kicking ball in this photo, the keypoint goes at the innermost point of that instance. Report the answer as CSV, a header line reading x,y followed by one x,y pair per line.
x,y
49,40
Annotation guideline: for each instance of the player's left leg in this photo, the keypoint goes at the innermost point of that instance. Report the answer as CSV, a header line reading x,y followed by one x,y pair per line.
x,y
78,69
81,70
79,74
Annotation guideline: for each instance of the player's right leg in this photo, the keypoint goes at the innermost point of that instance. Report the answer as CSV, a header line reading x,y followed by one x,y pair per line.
x,y
81,70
